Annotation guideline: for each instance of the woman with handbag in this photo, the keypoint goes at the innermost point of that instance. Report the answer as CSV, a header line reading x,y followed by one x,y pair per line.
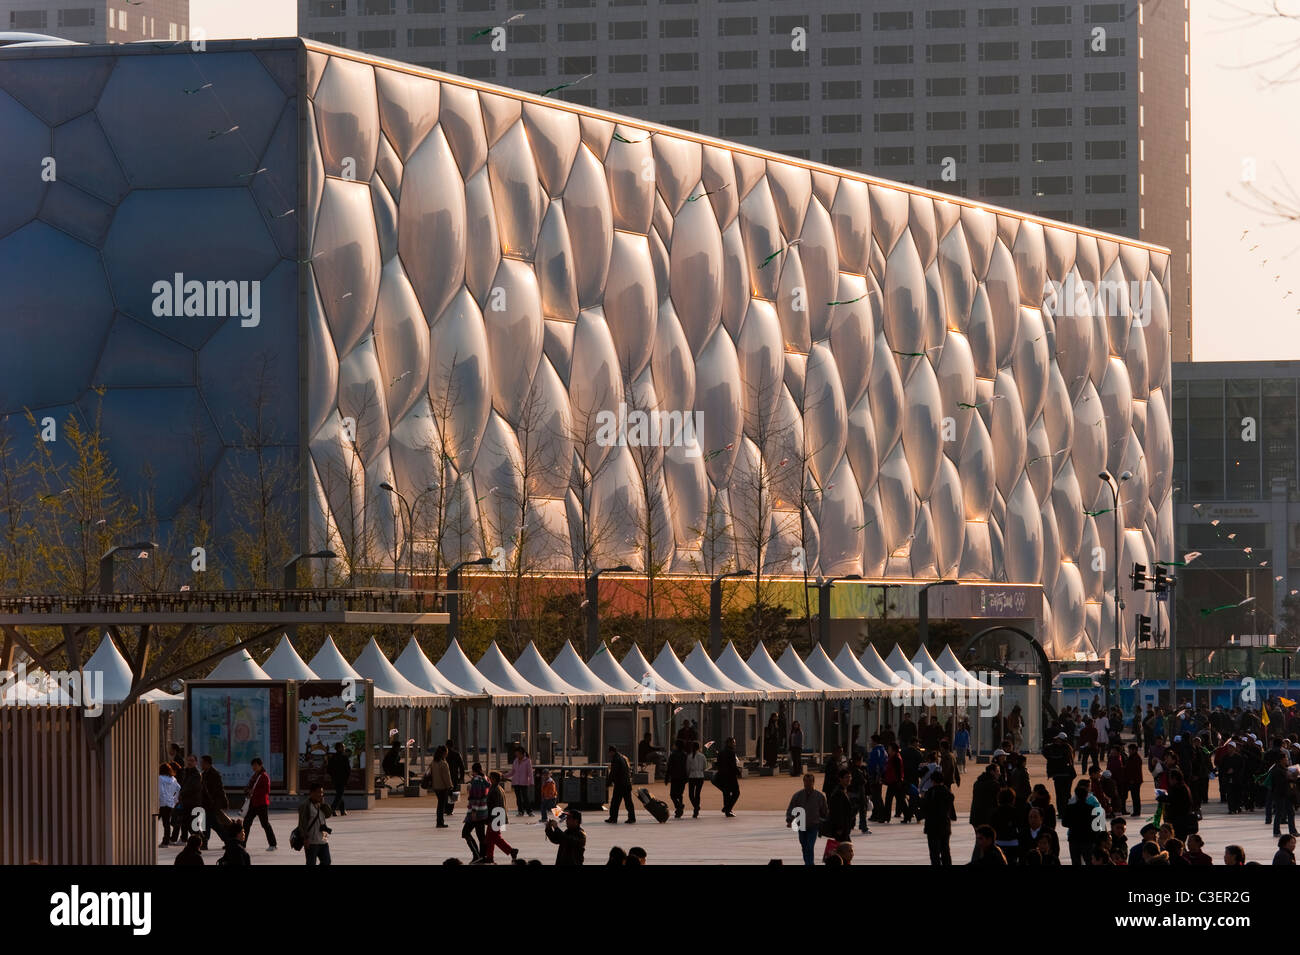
x,y
439,779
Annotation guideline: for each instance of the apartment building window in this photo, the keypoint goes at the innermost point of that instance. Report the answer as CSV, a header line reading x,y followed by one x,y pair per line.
x,y
785,59
738,26
999,119
892,122
783,25
841,22
1104,82
28,19
485,69
999,152
79,17
945,120
894,155
892,20
1052,83
835,123
1052,152
895,55
999,17
439,65
1106,218
526,33
376,39
999,85
843,56
788,125
1060,215
317,8
938,155
577,65
679,96
1107,185
575,4
626,63
684,29
945,86
1114,47
377,8
847,157
1053,185
689,124
1000,186
1103,13
738,93
425,36
526,4
1050,16
627,3
738,127
842,89
1057,116
475,6
577,32
527,66
787,92
1105,115
886,89
945,19
679,62
1105,149
955,187
339,38
1000,51
945,53
620,96
797,153
1051,49
628,30
737,59
425,6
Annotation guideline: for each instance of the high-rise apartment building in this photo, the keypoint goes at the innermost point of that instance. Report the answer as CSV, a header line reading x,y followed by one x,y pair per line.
x,y
98,21
1073,111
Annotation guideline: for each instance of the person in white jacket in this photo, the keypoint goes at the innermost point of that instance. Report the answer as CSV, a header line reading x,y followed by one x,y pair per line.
x,y
695,777
169,791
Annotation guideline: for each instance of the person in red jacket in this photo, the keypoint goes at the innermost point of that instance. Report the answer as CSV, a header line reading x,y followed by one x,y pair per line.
x,y
259,802
895,793
1132,780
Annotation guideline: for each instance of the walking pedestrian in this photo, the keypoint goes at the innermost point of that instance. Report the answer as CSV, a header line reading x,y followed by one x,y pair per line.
x,y
695,778
476,814
939,813
677,776
726,776
440,785
521,781
808,808
549,793
339,768
619,781
312,813
214,801
796,749
456,763
169,792
259,803
191,797
496,821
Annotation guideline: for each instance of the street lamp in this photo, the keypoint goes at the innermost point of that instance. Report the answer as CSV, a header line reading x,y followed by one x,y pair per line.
x,y
410,509
824,607
923,609
106,562
1114,496
715,609
453,598
593,604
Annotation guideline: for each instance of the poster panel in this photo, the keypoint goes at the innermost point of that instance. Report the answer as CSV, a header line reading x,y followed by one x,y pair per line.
x,y
234,724
330,712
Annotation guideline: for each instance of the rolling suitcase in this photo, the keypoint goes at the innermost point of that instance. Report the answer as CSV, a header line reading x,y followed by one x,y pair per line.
x,y
656,807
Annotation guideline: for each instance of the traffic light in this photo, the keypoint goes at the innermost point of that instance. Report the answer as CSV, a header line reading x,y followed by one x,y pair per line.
x,y
1160,582
1139,576
1143,628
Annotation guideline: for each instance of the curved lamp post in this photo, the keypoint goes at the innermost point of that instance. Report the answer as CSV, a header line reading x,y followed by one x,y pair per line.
x,y
1114,496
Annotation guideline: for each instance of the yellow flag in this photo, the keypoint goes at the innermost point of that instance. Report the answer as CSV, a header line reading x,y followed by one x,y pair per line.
x,y
1287,703
1263,718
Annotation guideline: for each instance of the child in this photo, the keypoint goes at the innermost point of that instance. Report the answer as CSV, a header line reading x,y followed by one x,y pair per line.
x,y
550,797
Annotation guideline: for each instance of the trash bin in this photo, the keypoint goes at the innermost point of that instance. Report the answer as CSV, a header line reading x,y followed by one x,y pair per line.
x,y
545,749
571,791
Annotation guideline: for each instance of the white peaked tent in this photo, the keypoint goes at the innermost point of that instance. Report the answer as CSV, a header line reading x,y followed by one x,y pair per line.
x,y
610,671
734,667
455,666
910,674
118,677
761,662
238,666
494,665
708,673
924,664
419,669
851,667
286,664
950,664
822,667
391,688
792,666
330,664
668,666
872,663
568,666
532,666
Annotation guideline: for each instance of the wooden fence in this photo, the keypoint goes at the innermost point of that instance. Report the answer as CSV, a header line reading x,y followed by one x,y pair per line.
x,y
63,801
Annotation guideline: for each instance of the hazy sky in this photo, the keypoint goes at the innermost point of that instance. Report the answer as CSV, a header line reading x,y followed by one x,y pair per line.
x,y
1238,311
234,19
